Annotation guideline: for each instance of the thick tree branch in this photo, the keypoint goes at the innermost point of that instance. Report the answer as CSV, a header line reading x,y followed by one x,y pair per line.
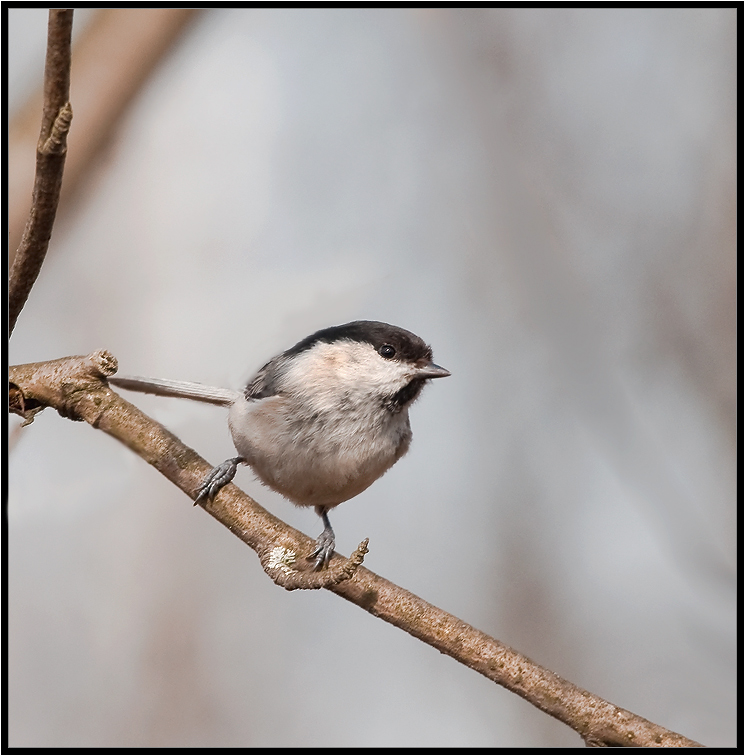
x,y
76,387
50,162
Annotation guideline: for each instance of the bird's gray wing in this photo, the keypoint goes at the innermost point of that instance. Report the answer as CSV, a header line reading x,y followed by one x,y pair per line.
x,y
267,380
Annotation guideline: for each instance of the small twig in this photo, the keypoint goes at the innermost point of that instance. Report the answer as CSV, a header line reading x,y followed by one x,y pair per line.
x,y
279,563
56,143
76,388
50,163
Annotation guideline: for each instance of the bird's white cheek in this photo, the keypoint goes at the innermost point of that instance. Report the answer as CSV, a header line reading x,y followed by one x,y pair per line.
x,y
372,375
329,373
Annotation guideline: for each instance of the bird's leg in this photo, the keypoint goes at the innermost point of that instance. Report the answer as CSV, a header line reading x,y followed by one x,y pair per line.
x,y
217,478
324,543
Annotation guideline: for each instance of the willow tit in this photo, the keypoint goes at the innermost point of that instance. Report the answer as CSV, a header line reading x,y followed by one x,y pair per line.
x,y
322,421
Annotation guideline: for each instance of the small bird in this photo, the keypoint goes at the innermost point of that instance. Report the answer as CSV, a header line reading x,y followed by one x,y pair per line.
x,y
322,421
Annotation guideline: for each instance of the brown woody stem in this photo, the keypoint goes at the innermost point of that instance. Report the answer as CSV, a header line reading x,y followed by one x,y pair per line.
x,y
50,164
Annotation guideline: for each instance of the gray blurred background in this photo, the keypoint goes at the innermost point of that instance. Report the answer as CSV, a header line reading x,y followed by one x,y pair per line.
x,y
548,198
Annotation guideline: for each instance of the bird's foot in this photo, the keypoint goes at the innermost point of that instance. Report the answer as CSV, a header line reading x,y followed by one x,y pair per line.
x,y
217,478
324,549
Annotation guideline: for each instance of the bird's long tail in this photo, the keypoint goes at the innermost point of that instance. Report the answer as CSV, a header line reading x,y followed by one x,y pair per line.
x,y
181,389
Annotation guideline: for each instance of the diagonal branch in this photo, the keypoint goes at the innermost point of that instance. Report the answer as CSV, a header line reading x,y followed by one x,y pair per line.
x,y
76,387
50,162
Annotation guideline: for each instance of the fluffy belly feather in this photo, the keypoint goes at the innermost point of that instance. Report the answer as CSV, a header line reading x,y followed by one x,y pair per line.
x,y
312,460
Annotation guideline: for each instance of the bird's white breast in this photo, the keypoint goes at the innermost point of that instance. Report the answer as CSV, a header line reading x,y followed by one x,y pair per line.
x,y
326,436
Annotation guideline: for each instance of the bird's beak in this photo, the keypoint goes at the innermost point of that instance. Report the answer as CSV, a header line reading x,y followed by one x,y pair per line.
x,y
432,371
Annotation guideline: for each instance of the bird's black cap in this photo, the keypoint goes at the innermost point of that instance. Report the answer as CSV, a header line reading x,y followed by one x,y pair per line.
x,y
407,345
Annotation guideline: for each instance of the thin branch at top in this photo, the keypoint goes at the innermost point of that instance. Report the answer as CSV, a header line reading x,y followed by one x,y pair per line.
x,y
50,162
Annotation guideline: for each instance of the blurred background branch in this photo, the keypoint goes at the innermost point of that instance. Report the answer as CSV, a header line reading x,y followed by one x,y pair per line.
x,y
113,58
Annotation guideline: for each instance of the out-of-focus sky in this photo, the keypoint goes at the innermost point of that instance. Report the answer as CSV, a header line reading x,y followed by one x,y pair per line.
x,y
547,196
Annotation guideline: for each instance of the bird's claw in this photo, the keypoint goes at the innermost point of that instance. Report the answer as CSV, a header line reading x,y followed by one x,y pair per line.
x,y
217,478
324,549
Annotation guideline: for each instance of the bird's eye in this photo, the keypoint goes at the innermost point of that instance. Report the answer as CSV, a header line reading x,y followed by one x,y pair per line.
x,y
387,351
